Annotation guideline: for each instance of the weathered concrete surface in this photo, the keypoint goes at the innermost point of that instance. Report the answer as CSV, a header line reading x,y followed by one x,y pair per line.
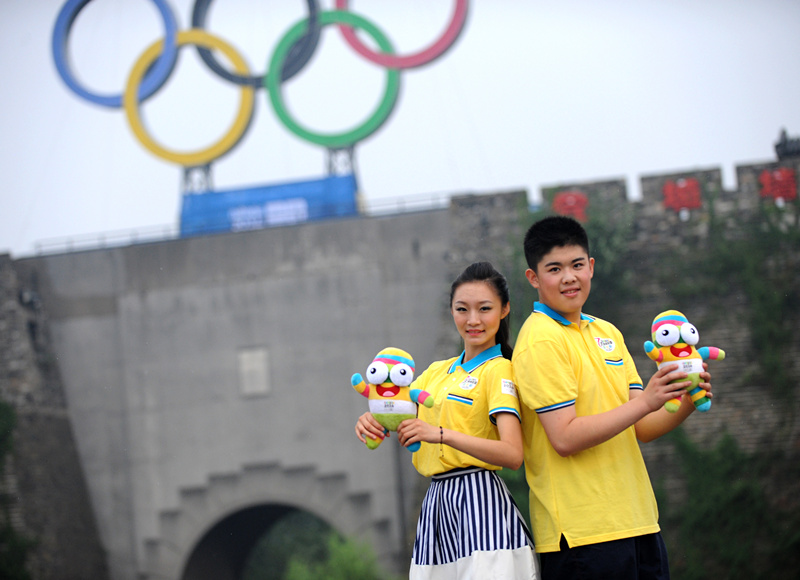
x,y
152,340
164,349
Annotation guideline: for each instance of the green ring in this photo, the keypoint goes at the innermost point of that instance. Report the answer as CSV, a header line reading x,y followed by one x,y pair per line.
x,y
272,82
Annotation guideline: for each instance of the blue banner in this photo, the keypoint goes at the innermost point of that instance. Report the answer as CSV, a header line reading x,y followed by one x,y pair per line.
x,y
264,206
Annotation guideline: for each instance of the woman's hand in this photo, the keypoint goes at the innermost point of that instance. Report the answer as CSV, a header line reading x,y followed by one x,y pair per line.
x,y
416,430
368,426
507,452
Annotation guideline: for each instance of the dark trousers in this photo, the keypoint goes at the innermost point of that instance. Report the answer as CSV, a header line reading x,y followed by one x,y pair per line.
x,y
639,558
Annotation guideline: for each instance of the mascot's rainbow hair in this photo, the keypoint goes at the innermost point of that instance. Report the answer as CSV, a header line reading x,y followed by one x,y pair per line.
x,y
395,356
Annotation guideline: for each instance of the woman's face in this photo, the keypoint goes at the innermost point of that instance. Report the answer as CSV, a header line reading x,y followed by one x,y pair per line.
x,y
477,312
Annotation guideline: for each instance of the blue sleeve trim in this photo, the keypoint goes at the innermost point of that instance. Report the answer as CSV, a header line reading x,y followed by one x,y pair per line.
x,y
511,410
499,410
637,386
556,407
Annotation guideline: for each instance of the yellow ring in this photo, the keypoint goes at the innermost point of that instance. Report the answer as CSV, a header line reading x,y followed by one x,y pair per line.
x,y
229,140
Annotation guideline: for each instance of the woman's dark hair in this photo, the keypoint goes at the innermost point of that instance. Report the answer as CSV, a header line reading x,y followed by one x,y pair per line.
x,y
485,272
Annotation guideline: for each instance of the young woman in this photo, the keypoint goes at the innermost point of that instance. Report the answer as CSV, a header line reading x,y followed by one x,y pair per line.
x,y
469,526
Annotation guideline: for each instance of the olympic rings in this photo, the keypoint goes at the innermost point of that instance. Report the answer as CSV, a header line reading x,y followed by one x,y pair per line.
x,y
291,54
337,140
412,60
228,141
155,77
298,57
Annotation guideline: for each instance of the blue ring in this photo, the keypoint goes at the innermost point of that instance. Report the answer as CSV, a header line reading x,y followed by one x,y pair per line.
x,y
153,80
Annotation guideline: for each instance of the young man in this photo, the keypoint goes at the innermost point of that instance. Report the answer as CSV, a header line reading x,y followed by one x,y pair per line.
x,y
584,409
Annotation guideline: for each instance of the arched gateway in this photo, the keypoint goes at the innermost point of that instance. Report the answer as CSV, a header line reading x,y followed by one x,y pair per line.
x,y
215,528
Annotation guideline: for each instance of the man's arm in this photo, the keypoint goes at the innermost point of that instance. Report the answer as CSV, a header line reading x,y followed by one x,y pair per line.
x,y
570,434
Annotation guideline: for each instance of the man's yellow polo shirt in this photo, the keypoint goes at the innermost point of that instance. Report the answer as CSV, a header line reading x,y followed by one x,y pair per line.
x,y
466,396
599,494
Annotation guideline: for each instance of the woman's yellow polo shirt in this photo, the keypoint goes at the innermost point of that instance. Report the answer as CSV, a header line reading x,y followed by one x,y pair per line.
x,y
466,396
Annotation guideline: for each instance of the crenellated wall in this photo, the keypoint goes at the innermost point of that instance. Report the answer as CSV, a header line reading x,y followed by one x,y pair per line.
x,y
668,226
125,364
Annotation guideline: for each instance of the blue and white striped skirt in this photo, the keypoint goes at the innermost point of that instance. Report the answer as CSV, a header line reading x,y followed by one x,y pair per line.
x,y
470,528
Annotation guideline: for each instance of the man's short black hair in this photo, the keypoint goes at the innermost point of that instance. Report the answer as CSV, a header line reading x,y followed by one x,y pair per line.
x,y
552,232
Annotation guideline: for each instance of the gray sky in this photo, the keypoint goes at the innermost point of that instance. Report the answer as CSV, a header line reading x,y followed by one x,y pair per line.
x,y
533,93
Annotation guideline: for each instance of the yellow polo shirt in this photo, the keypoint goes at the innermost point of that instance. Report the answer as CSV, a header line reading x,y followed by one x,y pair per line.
x,y
466,396
599,494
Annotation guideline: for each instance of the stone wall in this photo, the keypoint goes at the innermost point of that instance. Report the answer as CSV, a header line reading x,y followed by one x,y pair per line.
x,y
483,228
43,477
669,225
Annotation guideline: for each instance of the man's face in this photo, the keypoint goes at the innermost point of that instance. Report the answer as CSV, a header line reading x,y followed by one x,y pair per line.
x,y
563,278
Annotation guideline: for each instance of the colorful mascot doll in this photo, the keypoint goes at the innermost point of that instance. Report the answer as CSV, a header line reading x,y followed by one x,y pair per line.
x,y
390,400
674,340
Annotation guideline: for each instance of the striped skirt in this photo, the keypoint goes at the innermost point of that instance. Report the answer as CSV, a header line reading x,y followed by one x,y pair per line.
x,y
470,529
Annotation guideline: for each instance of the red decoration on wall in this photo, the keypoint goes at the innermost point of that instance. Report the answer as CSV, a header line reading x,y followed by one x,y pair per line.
x,y
682,194
778,184
571,203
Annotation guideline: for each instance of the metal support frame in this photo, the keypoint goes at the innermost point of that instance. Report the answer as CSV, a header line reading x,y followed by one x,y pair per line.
x,y
197,179
342,161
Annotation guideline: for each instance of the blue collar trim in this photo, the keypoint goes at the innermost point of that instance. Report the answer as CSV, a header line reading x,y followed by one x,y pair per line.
x,y
545,309
471,365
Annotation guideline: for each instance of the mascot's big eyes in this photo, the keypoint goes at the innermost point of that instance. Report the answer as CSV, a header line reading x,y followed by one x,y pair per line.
x,y
377,373
667,335
401,375
689,334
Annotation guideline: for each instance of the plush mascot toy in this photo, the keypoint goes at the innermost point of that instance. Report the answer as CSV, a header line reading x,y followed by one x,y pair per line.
x,y
390,400
674,340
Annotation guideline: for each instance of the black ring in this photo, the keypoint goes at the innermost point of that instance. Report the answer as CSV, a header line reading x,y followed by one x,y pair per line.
x,y
298,56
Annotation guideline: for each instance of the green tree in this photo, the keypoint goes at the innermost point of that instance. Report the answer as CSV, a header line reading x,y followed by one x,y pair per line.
x,y
14,547
726,527
613,281
298,534
758,259
14,550
347,560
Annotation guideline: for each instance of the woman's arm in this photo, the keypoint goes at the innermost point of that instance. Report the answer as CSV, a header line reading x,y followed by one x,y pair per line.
x,y
507,452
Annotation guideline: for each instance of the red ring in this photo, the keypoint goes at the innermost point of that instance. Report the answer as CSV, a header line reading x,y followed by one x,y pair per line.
x,y
416,59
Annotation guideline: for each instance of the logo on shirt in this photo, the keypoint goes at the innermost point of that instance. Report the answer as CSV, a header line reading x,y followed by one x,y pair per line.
x,y
507,388
469,383
605,343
